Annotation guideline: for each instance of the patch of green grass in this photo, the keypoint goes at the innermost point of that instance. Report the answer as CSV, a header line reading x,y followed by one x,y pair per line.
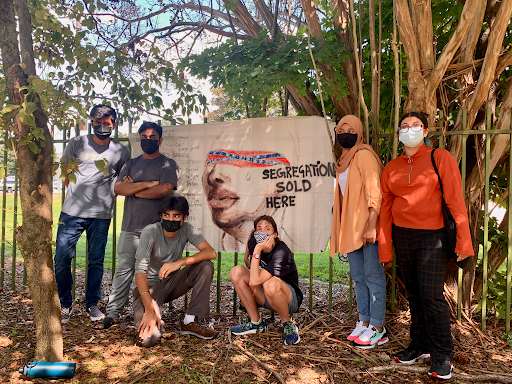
x,y
320,260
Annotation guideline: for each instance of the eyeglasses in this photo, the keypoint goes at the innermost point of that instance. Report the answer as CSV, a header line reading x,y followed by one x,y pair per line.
x,y
414,128
100,124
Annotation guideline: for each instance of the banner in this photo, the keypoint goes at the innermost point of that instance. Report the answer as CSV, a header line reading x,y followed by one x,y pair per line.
x,y
232,172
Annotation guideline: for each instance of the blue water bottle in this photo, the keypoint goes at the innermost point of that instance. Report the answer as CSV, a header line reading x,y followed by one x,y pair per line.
x,y
41,369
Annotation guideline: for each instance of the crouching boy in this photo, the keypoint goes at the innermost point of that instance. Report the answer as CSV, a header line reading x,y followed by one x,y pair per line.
x,y
162,274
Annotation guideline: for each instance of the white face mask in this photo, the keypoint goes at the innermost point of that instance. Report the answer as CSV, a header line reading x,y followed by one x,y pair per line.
x,y
410,138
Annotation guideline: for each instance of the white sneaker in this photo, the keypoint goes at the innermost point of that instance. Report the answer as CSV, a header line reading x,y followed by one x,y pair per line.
x,y
371,337
94,313
358,331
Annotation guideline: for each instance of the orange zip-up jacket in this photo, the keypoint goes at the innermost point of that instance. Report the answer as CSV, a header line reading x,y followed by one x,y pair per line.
x,y
411,198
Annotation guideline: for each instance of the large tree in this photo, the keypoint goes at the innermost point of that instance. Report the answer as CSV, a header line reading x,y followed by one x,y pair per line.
x,y
76,69
34,149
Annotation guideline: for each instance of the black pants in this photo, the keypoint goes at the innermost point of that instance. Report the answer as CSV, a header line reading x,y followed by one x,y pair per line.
x,y
423,260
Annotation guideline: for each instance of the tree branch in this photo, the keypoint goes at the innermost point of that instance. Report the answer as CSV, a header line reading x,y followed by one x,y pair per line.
x,y
408,37
488,71
359,79
466,18
503,63
25,36
266,13
200,26
139,19
499,144
140,109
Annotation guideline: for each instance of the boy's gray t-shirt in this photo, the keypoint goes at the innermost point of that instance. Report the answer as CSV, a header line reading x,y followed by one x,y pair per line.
x,y
155,249
139,212
92,196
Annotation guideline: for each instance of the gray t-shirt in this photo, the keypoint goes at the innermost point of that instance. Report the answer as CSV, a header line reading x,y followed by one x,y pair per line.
x,y
155,249
92,196
139,212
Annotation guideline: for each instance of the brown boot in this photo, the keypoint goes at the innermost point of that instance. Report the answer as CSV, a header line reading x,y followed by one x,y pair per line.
x,y
196,330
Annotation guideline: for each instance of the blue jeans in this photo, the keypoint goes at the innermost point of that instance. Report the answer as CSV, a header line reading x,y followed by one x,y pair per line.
x,y
368,274
67,236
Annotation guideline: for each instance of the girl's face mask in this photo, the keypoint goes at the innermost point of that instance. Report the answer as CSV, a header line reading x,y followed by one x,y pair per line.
x,y
260,236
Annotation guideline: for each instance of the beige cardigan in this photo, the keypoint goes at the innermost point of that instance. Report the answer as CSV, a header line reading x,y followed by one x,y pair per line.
x,y
361,193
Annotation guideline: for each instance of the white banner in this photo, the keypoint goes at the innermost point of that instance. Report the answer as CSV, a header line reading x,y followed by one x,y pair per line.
x,y
232,172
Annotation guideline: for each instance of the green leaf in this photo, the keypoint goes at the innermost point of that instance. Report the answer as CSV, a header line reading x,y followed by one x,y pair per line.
x,y
30,108
10,107
100,164
33,147
2,172
72,178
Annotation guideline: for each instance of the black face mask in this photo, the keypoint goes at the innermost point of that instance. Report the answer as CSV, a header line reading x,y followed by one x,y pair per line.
x,y
171,226
347,140
149,146
102,132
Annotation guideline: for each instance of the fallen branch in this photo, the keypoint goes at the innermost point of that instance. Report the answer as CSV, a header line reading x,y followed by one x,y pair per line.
x,y
314,322
214,365
260,363
380,381
353,349
492,377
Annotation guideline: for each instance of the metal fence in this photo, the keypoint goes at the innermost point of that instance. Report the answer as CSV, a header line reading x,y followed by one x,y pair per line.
x,y
442,136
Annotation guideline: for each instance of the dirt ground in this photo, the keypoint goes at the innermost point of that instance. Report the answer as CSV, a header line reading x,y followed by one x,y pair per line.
x,y
323,355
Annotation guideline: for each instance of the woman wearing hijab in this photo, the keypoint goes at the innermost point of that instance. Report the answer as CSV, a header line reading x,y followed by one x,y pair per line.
x,y
357,201
412,221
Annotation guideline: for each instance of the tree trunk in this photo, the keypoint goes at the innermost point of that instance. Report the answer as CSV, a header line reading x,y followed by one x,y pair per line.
x,y
341,22
343,107
35,170
375,107
425,74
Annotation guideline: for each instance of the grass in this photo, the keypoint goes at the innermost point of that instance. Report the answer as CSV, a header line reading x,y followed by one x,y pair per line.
x,y
320,260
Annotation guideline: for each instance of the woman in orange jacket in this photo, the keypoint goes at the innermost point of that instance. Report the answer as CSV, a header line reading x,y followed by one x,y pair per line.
x,y
411,220
357,202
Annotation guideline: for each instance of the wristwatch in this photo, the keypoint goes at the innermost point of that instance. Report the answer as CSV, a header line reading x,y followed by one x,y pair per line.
x,y
256,256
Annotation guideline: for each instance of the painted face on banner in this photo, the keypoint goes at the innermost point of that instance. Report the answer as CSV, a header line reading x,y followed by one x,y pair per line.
x,y
225,171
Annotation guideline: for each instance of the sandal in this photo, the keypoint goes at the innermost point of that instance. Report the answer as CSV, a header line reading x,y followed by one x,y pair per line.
x,y
106,323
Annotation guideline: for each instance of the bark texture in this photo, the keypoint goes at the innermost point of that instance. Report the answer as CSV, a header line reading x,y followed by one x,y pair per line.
x,y
35,173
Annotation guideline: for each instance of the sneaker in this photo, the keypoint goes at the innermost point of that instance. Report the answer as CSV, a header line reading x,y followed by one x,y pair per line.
x,y
197,330
248,327
442,369
358,331
411,355
370,338
291,333
94,313
65,314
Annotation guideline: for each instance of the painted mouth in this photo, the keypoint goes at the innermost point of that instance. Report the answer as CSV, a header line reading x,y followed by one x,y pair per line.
x,y
222,199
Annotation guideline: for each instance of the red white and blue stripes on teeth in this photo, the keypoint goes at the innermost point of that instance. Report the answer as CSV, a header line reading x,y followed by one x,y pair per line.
x,y
244,159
